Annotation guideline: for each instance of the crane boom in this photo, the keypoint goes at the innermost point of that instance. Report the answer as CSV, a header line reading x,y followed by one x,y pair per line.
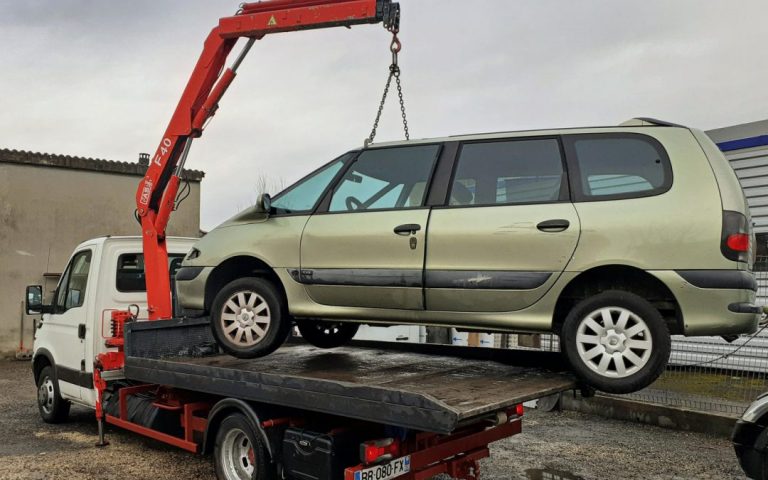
x,y
156,194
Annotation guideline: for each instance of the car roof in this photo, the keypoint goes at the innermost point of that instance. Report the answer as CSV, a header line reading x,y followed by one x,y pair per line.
x,y
630,125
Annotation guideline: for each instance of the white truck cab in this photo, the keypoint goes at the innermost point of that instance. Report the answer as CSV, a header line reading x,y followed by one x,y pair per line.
x,y
103,274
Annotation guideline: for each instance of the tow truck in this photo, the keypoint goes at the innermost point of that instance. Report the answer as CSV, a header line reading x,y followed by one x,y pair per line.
x,y
361,412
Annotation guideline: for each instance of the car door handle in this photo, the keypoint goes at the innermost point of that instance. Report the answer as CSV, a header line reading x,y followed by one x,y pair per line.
x,y
407,229
557,225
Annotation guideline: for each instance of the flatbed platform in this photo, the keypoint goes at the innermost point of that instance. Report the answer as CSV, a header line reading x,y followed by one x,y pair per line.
x,y
433,388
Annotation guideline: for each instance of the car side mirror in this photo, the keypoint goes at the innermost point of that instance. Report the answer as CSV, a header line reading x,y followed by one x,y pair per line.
x,y
34,301
264,203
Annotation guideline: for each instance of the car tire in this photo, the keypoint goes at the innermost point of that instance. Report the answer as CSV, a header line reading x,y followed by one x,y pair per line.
x,y
53,408
239,453
616,341
249,318
325,334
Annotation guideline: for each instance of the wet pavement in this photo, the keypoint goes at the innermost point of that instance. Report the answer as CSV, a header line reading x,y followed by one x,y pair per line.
x,y
553,446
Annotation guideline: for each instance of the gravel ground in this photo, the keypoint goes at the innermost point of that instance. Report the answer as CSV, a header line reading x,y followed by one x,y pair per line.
x,y
554,446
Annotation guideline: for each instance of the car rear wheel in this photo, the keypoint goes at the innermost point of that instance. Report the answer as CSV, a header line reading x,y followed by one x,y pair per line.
x,y
616,341
249,318
324,334
53,408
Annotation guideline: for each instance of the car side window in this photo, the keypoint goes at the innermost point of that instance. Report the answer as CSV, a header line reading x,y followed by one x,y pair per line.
x,y
620,166
72,287
130,271
302,196
386,178
508,172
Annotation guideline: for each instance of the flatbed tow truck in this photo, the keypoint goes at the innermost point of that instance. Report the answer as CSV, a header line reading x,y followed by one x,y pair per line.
x,y
372,410
368,411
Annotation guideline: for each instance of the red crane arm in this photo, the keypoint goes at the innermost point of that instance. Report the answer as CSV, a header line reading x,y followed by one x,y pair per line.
x,y
156,195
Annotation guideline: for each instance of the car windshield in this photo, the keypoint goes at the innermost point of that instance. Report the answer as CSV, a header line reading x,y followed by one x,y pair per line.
x,y
302,196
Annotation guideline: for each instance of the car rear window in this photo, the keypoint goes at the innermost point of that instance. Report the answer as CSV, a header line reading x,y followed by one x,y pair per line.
x,y
619,166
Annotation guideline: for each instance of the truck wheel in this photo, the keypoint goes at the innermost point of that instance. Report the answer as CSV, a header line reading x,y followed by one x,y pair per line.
x,y
327,334
53,408
249,318
616,341
239,453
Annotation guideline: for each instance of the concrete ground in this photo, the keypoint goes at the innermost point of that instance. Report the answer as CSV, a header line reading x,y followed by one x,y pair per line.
x,y
554,446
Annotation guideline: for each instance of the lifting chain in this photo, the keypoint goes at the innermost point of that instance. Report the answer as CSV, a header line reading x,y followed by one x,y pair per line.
x,y
394,72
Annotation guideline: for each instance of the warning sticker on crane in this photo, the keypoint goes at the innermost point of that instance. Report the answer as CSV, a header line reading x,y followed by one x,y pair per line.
x,y
272,21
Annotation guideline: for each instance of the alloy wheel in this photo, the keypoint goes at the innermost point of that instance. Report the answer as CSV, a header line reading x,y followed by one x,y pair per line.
x,y
245,318
614,342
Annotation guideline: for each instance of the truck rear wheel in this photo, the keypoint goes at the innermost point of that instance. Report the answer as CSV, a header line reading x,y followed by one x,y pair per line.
x,y
53,408
239,453
324,334
616,341
249,318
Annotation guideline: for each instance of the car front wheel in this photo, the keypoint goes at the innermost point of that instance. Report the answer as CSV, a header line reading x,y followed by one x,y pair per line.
x,y
249,318
616,341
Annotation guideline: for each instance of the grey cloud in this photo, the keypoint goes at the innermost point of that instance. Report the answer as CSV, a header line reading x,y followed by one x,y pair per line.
x,y
101,78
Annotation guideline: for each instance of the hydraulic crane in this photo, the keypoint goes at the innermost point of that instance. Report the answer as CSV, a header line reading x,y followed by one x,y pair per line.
x,y
156,196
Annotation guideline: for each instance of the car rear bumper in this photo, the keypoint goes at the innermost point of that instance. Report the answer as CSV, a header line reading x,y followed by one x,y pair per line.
x,y
714,302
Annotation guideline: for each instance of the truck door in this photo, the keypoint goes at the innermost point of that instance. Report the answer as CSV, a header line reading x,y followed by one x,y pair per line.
x,y
508,231
67,326
366,247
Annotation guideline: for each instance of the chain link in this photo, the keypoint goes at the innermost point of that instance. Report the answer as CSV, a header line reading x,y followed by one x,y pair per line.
x,y
394,72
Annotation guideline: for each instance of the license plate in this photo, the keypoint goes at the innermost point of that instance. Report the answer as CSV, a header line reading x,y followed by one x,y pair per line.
x,y
393,469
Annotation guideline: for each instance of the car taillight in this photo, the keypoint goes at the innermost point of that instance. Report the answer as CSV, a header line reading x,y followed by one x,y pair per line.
x,y
736,237
738,242
376,451
519,410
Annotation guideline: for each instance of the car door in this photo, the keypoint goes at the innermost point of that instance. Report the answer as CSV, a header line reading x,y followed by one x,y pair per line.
x,y
365,247
67,325
508,230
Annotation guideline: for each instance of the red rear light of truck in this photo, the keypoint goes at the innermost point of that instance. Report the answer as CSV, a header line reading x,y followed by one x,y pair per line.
x,y
377,451
736,239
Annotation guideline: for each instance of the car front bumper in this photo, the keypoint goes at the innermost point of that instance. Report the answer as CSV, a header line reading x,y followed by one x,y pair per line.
x,y
190,286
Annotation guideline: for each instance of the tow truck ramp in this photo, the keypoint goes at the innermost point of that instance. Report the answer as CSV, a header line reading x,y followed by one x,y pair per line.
x,y
432,388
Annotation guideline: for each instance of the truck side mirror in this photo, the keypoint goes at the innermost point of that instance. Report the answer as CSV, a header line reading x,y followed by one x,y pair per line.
x,y
264,203
34,301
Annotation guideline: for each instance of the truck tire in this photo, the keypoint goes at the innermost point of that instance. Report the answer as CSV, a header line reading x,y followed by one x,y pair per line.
x,y
249,318
239,453
323,334
616,341
53,408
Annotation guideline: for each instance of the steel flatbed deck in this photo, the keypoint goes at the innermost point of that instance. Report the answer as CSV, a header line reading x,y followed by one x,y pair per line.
x,y
431,388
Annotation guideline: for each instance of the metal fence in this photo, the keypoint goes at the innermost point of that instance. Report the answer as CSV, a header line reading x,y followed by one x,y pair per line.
x,y
704,373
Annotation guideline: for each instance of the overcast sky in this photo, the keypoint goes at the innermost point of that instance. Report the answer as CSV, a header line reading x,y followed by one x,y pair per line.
x,y
101,78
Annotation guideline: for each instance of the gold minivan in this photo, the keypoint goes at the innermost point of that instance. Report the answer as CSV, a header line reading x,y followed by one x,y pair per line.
x,y
614,238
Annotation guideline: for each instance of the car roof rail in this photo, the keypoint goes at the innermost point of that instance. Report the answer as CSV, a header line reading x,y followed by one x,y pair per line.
x,y
647,121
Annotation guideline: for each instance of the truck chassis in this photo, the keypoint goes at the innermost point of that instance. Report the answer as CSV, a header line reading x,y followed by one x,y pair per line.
x,y
437,406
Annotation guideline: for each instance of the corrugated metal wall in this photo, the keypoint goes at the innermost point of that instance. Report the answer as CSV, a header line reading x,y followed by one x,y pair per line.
x,y
751,167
